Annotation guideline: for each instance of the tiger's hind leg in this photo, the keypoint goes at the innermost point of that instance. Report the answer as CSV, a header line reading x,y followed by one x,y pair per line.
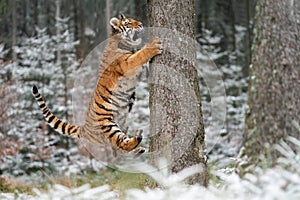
x,y
128,144
138,151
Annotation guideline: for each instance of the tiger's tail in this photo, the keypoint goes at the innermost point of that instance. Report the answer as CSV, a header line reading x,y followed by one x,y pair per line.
x,y
57,124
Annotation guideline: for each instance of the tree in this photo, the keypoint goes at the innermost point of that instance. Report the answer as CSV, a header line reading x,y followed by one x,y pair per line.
x,y
8,145
44,60
273,95
65,61
35,64
14,28
170,125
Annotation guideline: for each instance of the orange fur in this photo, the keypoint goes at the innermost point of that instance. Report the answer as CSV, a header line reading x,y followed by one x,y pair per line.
x,y
118,67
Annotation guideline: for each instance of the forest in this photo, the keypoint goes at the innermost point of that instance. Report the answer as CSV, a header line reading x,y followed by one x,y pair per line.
x,y
219,108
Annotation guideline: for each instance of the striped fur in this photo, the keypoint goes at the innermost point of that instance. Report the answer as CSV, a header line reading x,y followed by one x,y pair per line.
x,y
114,92
53,121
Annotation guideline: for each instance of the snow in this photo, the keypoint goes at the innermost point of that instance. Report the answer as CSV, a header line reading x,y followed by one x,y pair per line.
x,y
280,182
37,58
89,32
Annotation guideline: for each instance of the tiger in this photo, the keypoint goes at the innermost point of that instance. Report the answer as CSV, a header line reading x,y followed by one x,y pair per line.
x,y
120,64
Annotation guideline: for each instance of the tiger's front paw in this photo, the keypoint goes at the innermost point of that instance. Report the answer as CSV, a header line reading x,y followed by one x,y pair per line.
x,y
155,45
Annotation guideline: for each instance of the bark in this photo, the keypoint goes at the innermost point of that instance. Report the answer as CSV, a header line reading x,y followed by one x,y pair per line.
x,y
14,31
247,39
107,15
58,35
175,114
274,88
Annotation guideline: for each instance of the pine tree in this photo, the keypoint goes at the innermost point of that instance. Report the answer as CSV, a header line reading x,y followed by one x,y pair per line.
x,y
38,66
273,95
171,127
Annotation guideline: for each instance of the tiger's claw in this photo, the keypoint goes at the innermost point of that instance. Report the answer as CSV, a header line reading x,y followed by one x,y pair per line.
x,y
138,152
139,135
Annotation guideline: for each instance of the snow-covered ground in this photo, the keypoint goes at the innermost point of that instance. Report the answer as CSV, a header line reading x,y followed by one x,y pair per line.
x,y
280,182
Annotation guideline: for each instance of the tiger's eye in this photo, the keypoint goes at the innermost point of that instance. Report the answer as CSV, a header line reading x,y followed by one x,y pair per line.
x,y
127,22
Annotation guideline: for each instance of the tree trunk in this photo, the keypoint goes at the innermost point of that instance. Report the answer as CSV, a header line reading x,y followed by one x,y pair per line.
x,y
274,88
58,35
14,31
248,33
108,16
176,125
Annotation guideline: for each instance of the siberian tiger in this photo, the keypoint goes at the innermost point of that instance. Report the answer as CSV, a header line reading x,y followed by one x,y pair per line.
x,y
119,67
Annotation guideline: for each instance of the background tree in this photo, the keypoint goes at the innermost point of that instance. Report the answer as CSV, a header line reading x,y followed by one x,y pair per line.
x,y
221,28
274,89
172,124
35,66
67,63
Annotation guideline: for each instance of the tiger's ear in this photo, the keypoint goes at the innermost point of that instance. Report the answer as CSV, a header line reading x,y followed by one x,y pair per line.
x,y
122,16
114,23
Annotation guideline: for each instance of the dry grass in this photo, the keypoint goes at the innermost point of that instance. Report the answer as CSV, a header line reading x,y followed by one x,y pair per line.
x,y
118,181
10,185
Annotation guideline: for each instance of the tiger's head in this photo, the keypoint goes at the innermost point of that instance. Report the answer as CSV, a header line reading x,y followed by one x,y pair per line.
x,y
128,29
